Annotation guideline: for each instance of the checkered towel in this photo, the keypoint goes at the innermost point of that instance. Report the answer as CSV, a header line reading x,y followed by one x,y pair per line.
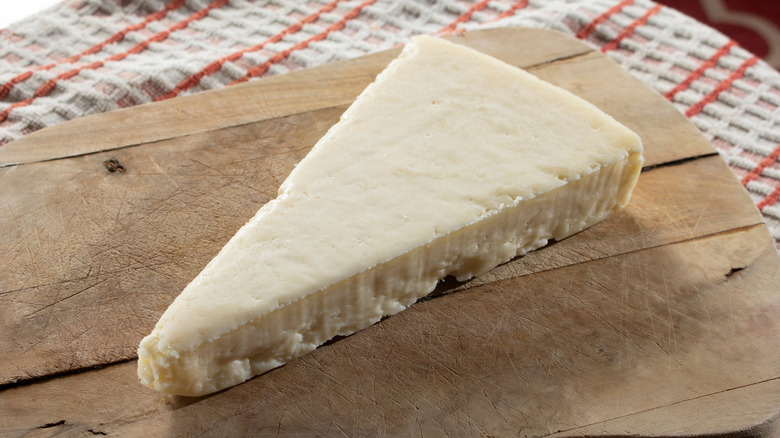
x,y
88,56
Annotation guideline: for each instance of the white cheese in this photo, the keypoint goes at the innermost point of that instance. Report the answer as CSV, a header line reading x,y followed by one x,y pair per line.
x,y
450,163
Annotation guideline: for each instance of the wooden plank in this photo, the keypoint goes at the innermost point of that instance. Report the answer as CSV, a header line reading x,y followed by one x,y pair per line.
x,y
498,359
333,84
94,257
569,349
670,204
554,57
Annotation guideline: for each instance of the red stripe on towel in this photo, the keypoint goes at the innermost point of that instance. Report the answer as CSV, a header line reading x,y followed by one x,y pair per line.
x,y
115,38
630,29
511,11
217,65
682,86
262,68
46,88
769,200
466,16
766,162
591,27
722,86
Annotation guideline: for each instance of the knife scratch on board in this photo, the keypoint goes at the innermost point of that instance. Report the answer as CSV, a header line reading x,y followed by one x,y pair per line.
x,y
162,172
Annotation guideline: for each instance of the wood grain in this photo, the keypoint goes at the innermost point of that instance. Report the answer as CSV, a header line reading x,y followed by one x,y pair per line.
x,y
569,349
657,321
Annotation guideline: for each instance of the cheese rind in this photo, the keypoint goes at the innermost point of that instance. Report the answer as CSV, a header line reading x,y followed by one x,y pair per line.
x,y
450,163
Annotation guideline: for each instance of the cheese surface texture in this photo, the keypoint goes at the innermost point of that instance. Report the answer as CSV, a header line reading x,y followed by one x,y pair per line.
x,y
450,163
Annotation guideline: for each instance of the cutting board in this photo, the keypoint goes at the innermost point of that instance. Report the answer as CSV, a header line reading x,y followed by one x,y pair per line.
x,y
664,319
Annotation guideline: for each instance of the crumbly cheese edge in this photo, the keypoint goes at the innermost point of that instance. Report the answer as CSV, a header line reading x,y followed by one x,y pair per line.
x,y
361,300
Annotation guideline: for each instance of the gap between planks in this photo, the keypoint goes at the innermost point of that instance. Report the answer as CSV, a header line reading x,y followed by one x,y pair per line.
x,y
566,58
770,424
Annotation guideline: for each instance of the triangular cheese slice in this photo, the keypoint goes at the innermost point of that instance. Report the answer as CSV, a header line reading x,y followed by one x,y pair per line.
x,y
450,163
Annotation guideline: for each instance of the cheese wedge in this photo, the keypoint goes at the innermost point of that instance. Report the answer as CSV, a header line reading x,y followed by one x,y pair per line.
x,y
450,163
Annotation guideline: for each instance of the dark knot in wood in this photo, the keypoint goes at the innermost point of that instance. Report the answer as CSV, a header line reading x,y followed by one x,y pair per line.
x,y
113,166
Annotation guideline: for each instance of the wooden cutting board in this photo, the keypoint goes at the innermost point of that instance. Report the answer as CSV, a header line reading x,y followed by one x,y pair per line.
x,y
664,319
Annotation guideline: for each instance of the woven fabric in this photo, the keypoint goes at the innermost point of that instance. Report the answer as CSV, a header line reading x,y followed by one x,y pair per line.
x,y
89,56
